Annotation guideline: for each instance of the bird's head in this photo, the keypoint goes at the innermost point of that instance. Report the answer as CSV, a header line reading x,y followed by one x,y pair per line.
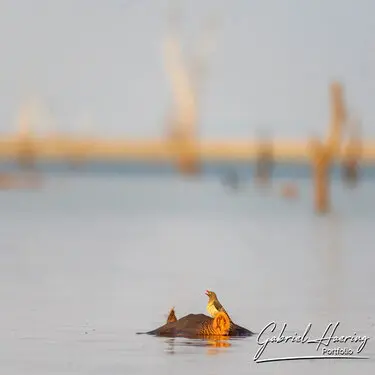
x,y
210,294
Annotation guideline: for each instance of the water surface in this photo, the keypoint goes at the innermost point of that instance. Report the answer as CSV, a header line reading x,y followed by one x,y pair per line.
x,y
88,261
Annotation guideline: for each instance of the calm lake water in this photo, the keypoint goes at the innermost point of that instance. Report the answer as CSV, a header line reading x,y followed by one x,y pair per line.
x,y
88,261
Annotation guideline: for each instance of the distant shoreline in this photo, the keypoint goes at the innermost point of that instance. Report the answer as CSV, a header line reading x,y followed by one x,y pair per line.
x,y
242,169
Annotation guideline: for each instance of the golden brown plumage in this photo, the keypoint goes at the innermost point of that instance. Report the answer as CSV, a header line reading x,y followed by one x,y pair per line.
x,y
198,325
220,325
213,305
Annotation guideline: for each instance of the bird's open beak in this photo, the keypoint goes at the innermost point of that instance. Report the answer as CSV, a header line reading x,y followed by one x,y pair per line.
x,y
206,292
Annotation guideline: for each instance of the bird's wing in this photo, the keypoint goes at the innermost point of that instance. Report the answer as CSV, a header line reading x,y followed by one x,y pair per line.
x,y
218,305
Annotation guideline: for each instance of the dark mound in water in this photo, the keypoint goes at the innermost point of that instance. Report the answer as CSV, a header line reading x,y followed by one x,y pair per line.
x,y
196,325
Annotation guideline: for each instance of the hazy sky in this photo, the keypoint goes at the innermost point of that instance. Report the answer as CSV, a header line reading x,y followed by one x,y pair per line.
x,y
270,69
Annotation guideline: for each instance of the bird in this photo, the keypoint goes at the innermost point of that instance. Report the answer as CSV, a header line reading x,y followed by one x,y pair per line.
x,y
213,305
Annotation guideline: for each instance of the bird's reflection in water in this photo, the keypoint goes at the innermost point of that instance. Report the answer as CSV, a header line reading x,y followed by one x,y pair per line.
x,y
214,346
